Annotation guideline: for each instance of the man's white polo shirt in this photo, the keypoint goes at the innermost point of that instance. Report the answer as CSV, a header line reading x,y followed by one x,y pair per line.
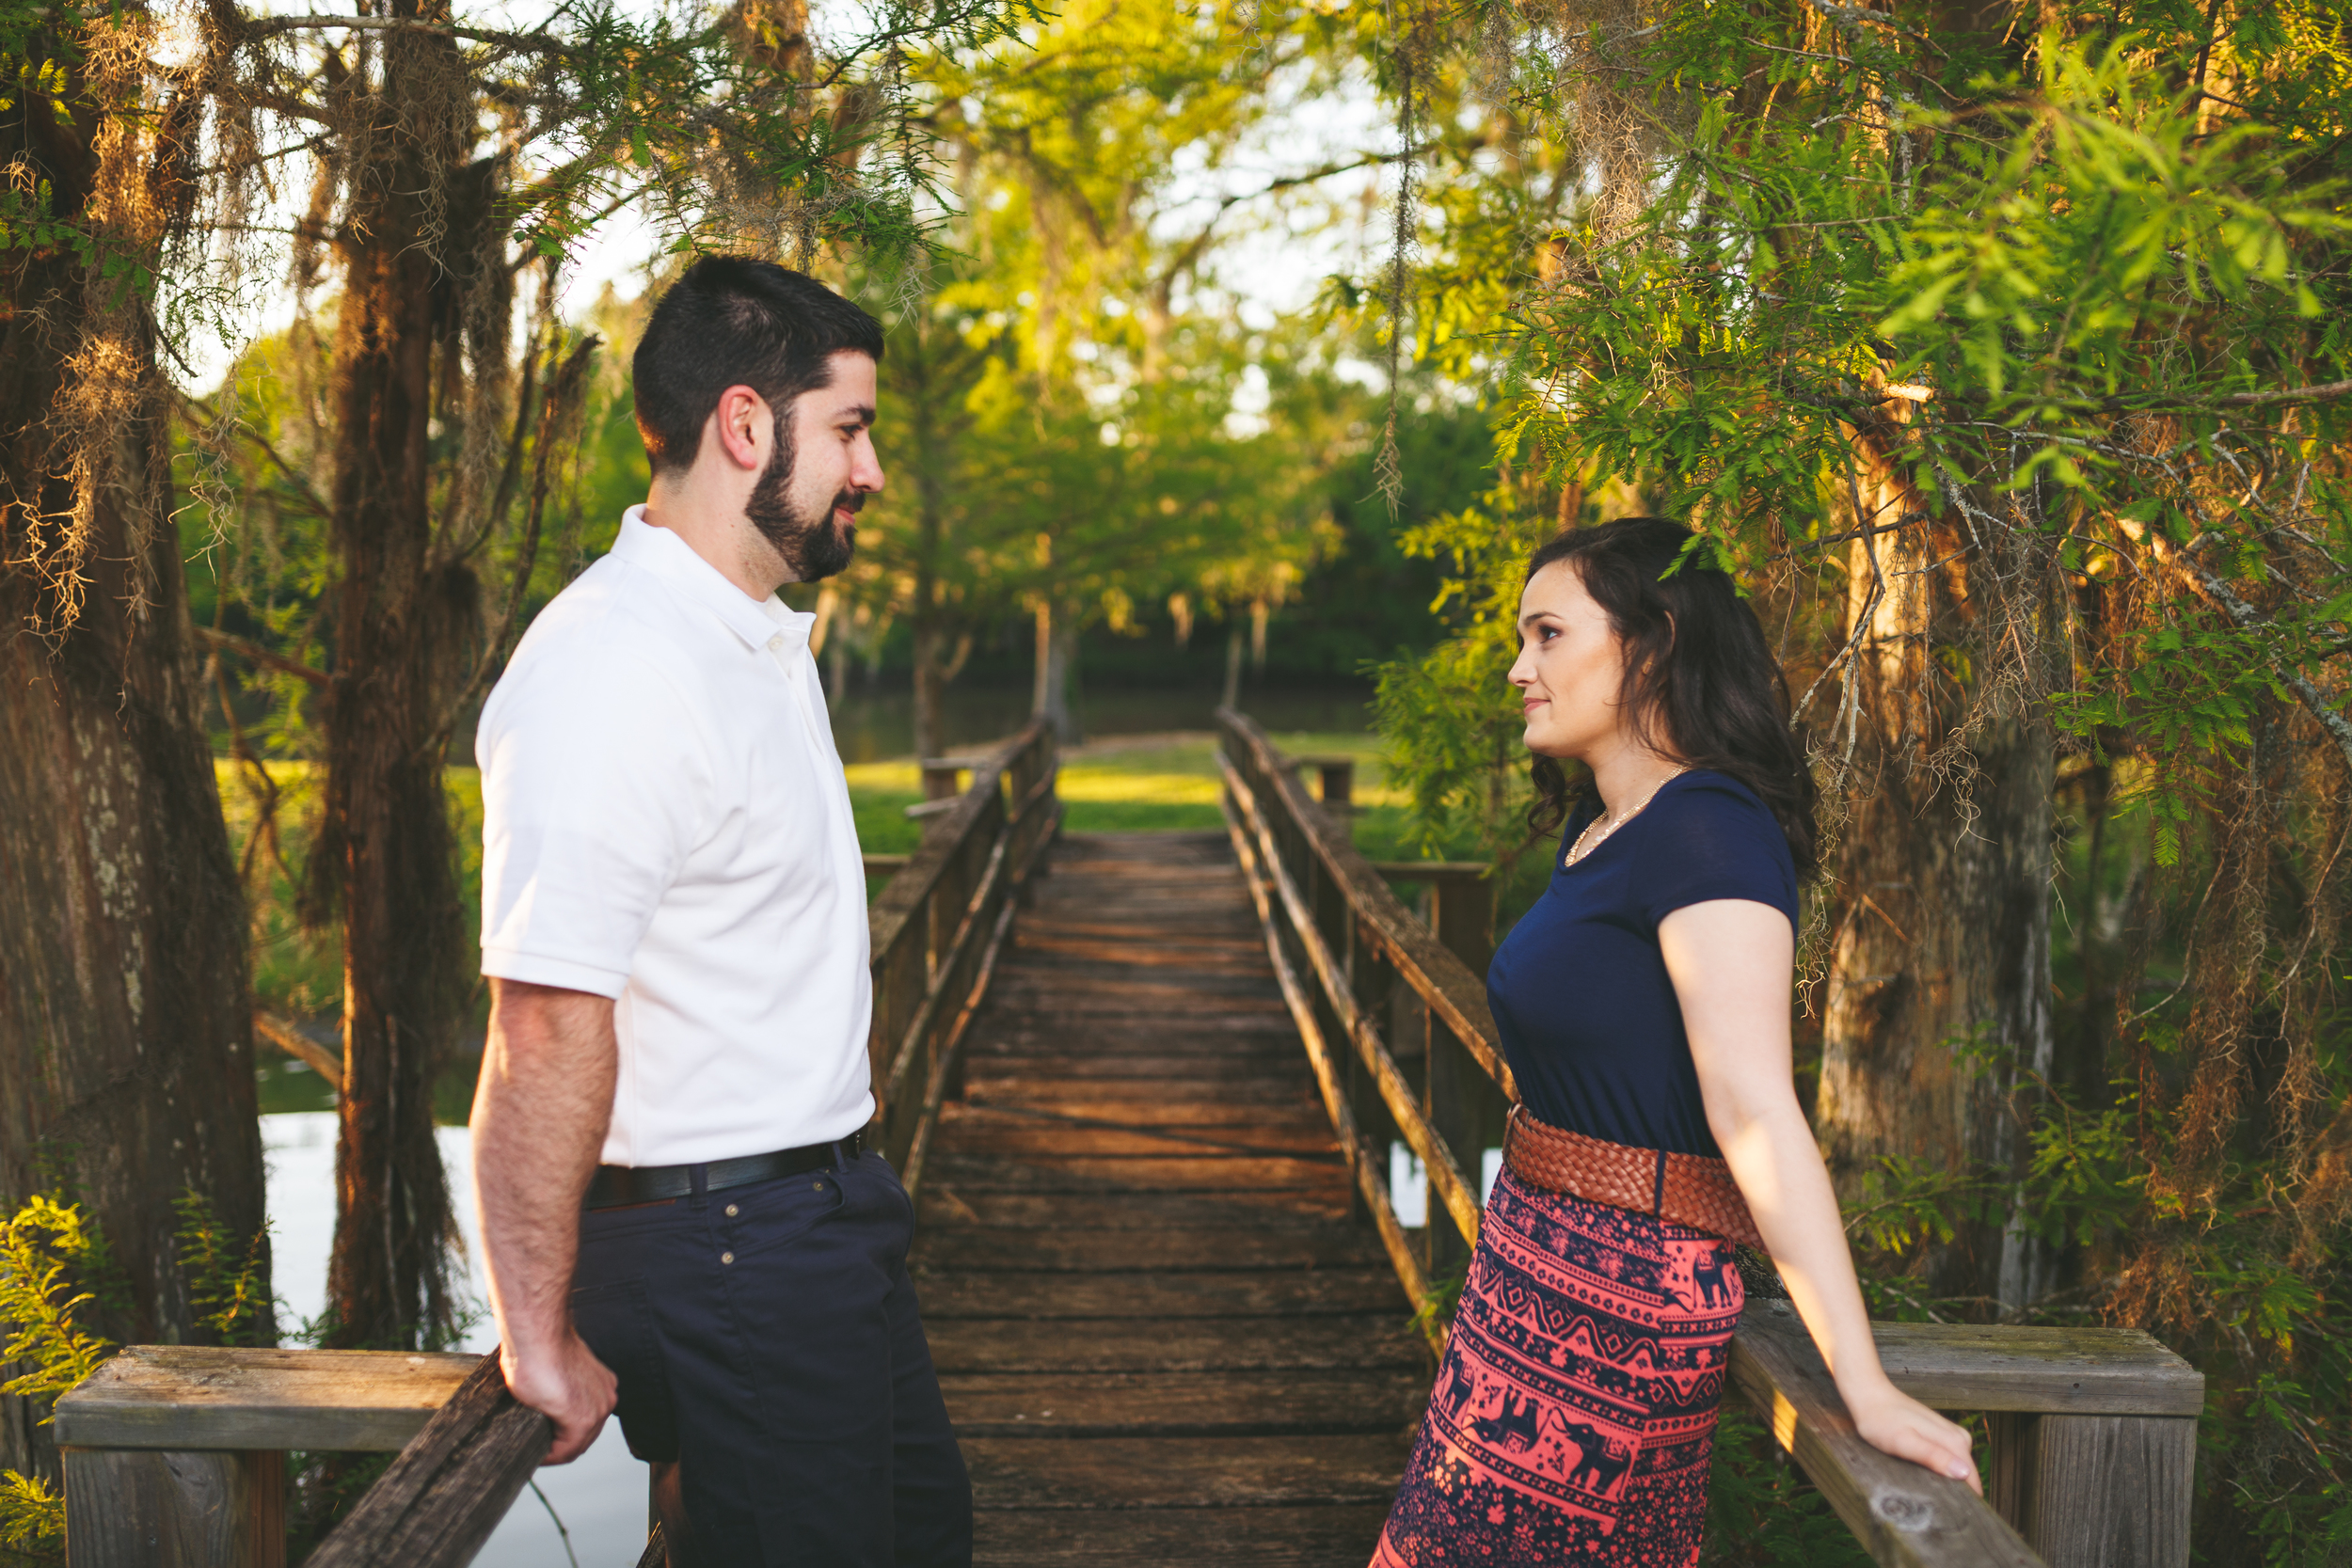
x,y
665,822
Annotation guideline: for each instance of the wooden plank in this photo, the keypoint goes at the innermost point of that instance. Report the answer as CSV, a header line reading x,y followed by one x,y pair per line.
x,y
1904,1516
1224,1250
1185,1405
1329,1535
208,1397
1059,1137
1185,1472
1119,1072
945,1208
1174,1345
1138,1173
2088,1371
1037,1295
152,1507
1160,1101
452,1483
1057,952
1135,1045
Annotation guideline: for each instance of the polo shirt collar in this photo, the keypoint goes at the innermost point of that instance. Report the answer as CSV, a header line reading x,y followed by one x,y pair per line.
x,y
673,560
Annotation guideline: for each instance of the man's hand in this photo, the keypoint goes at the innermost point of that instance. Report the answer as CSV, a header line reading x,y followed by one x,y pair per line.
x,y
568,1385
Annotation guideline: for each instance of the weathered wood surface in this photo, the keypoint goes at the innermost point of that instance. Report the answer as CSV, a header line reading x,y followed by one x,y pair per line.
x,y
449,1486
1178,1344
2096,1490
1263,1537
1161,1336
1903,1516
160,1509
205,1397
2084,1372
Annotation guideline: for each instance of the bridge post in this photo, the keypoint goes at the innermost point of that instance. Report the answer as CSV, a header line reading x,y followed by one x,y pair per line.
x,y
159,1508
2096,1490
942,778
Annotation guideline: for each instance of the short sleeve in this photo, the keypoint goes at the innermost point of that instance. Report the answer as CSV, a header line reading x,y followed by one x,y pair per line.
x,y
1714,839
596,785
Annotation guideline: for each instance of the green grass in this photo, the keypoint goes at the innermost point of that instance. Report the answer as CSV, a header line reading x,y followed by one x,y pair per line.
x,y
1167,785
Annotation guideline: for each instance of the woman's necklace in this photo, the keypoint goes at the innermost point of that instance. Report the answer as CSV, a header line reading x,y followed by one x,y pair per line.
x,y
1603,826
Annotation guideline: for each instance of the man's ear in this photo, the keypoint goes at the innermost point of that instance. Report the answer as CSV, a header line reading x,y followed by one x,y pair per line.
x,y
741,425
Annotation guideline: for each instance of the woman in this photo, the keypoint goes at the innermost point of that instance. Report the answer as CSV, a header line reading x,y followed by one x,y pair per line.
x,y
1644,1004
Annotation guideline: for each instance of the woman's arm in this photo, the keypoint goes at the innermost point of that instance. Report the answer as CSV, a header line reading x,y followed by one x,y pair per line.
x,y
1733,963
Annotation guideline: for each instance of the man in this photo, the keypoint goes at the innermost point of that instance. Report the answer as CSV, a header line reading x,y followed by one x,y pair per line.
x,y
680,1214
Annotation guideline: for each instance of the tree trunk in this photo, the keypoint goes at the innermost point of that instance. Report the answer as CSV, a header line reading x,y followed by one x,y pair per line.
x,y
126,1069
385,850
1057,672
931,638
1232,664
930,685
1939,987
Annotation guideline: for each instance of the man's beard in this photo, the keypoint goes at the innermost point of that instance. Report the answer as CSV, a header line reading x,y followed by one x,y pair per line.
x,y
813,547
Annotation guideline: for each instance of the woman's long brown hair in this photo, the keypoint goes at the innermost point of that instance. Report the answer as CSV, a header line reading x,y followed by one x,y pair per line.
x,y
1700,680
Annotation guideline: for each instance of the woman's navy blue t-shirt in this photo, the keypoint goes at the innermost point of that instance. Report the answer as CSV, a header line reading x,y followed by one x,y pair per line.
x,y
1579,989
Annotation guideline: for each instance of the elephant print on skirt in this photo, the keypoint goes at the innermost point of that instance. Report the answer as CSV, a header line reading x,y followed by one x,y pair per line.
x,y
1574,1415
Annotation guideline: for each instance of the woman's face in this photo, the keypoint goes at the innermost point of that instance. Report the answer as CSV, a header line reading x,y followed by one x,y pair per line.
x,y
1570,668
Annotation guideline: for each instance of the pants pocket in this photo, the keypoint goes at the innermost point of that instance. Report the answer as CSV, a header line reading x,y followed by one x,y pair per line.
x,y
617,1324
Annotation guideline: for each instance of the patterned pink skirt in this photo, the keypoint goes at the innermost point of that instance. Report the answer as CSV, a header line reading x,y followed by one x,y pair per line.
x,y
1574,1415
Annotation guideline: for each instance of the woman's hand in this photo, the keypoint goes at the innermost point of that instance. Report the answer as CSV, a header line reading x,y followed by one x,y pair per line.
x,y
1893,1422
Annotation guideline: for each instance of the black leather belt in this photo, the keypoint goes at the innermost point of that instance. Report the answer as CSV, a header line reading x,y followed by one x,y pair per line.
x,y
614,1186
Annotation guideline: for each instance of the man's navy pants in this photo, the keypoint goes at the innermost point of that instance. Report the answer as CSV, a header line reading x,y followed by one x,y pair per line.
x,y
766,1338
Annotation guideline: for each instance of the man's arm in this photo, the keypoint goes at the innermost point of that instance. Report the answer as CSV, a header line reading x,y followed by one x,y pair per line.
x,y
540,1109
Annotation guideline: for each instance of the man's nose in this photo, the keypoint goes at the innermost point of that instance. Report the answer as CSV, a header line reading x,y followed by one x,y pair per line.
x,y
866,467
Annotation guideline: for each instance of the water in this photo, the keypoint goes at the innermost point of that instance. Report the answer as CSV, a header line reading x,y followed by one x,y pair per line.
x,y
601,1496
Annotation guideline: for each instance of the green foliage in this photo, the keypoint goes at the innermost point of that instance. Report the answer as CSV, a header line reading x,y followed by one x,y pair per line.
x,y
56,1272
228,1286
1761,1512
1448,714
47,1250
53,1264
32,1519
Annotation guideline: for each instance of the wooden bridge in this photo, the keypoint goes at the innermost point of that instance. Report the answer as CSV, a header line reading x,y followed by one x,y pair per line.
x,y
1147,1089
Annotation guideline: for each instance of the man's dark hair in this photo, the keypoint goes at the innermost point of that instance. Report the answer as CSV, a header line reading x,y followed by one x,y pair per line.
x,y
737,320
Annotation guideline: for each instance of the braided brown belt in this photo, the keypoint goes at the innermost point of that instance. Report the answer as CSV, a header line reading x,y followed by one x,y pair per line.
x,y
1680,1189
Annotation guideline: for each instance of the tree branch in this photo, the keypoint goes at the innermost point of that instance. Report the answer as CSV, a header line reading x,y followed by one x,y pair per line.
x,y
2326,391
301,483
567,393
534,43
2248,618
264,657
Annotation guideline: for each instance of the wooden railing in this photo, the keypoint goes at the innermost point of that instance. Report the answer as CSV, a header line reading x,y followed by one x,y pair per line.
x,y
2093,1430
175,1455
937,927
